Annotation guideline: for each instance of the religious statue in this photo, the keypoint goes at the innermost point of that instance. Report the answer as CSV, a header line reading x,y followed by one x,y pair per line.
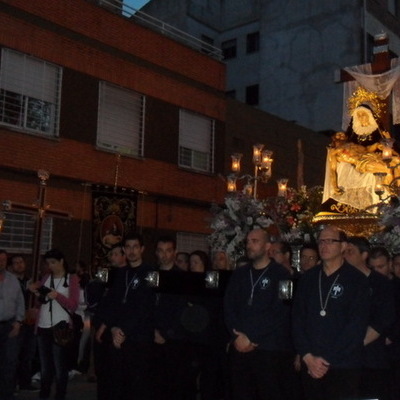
x,y
363,159
364,127
355,156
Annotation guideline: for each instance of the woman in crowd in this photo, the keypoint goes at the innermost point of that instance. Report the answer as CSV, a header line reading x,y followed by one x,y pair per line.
x,y
58,293
199,261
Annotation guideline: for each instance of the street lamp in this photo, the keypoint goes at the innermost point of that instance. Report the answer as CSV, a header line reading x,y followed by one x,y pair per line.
x,y
391,161
262,160
282,187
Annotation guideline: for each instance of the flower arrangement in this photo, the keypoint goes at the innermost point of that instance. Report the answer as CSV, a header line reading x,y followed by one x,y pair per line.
x,y
390,221
289,217
232,222
293,213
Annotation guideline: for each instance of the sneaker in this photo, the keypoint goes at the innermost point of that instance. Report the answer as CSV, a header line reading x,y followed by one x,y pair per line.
x,y
36,377
73,373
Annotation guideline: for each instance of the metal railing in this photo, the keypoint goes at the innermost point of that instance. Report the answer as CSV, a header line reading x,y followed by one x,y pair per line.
x,y
126,11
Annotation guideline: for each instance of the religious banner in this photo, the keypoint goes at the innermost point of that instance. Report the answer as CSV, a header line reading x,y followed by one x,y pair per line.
x,y
114,214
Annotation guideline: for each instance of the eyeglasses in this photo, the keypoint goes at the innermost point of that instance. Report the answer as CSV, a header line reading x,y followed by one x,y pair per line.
x,y
328,241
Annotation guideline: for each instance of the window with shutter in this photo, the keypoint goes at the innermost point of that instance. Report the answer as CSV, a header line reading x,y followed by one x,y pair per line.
x,y
196,141
120,125
29,93
18,233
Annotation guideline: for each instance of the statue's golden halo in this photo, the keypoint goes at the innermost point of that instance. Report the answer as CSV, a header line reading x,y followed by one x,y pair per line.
x,y
363,97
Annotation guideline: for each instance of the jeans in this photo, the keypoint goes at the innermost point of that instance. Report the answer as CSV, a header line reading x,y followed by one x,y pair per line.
x,y
53,364
27,350
8,361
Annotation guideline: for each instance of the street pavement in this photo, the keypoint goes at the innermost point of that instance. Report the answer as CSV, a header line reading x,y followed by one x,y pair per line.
x,y
78,389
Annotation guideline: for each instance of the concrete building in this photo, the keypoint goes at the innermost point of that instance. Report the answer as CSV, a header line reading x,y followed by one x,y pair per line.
x,y
282,56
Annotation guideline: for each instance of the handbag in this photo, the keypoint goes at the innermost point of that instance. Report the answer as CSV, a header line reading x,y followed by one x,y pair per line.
x,y
63,333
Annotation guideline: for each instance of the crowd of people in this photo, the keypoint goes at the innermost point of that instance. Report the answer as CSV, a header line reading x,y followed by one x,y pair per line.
x,y
338,337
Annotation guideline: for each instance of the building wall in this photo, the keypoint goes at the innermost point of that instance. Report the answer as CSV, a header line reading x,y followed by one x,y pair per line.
x,y
302,45
93,44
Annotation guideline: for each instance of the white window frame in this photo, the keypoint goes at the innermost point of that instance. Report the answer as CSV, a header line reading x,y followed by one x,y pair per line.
x,y
17,236
30,93
196,141
120,123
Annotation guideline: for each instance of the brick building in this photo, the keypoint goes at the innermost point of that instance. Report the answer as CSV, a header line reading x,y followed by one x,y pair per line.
x,y
80,84
106,104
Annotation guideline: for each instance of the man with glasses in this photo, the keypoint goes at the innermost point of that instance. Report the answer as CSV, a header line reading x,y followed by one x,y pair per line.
x,y
330,318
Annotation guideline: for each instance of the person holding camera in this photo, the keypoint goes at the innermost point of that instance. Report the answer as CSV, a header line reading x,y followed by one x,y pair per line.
x,y
58,293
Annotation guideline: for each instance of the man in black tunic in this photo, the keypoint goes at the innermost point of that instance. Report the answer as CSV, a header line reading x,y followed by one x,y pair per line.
x,y
330,319
375,374
258,321
130,316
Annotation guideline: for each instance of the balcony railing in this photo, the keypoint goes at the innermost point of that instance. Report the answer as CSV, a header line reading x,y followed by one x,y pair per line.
x,y
126,11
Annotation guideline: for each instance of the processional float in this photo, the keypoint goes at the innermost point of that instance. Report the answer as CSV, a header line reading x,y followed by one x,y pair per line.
x,y
363,163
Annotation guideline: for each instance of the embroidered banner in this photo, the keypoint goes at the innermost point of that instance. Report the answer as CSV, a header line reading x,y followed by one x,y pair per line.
x,y
114,214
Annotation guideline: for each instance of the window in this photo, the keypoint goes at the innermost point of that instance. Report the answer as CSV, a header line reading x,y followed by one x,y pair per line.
x,y
18,233
253,42
190,242
252,95
29,93
196,141
229,48
121,120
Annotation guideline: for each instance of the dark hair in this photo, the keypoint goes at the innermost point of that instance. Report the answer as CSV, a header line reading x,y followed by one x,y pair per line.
x,y
183,253
58,255
166,239
286,248
379,251
361,243
133,236
3,252
118,245
310,246
54,253
203,257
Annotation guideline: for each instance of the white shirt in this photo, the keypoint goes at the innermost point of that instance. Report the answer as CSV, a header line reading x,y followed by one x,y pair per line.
x,y
58,313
